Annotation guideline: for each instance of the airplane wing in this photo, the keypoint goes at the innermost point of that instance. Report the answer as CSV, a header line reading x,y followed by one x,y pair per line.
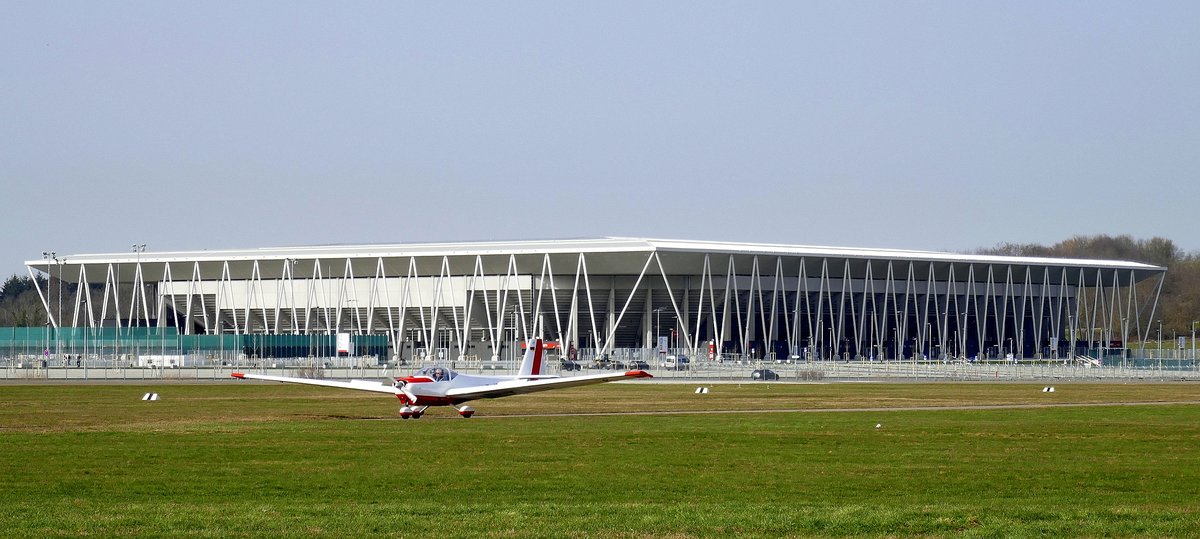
x,y
362,385
517,387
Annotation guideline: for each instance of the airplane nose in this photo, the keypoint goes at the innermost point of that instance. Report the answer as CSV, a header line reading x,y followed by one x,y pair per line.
x,y
402,387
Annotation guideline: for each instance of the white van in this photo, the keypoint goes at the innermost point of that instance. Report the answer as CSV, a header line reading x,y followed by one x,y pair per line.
x,y
676,363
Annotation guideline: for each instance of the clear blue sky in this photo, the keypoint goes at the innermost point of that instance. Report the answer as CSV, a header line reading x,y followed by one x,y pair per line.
x,y
930,125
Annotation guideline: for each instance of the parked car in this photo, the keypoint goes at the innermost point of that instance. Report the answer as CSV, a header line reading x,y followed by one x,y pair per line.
x,y
568,365
638,365
606,365
763,375
676,363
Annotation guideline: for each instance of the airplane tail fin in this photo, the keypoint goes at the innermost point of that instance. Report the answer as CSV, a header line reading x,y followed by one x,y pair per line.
x,y
532,364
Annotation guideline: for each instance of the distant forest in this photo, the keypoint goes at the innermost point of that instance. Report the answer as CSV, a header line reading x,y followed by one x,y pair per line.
x,y
1179,304
1178,307
19,303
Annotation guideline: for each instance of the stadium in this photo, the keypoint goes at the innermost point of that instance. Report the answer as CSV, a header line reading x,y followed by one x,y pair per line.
x,y
592,299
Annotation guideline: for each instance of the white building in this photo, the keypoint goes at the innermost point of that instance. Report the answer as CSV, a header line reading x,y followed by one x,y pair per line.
x,y
598,295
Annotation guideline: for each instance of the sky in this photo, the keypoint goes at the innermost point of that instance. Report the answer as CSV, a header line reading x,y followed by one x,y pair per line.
x,y
916,125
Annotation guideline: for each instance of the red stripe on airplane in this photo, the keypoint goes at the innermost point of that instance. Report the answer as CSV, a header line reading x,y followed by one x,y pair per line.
x,y
537,358
425,400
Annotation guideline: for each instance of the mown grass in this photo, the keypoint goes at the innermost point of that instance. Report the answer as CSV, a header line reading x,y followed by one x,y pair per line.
x,y
248,460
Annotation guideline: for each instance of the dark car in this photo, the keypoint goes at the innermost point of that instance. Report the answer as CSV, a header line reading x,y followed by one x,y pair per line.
x,y
568,365
638,365
606,364
763,375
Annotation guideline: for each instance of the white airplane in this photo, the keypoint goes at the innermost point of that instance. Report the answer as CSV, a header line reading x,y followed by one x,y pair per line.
x,y
440,386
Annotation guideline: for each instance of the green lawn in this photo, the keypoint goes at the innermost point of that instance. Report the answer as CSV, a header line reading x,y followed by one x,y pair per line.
x,y
274,460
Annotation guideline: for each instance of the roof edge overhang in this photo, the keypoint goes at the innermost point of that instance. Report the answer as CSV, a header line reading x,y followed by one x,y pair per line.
x,y
573,246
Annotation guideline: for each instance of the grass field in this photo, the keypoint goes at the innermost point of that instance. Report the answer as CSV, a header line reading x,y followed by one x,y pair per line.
x,y
250,460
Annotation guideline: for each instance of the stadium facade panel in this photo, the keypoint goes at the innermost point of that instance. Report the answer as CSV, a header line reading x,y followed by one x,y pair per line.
x,y
594,297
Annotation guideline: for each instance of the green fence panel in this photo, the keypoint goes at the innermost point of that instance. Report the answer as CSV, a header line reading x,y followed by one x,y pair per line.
x,y
154,340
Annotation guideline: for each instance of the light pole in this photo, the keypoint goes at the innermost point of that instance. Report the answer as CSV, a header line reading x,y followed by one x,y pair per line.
x,y
50,256
658,327
1124,341
1194,339
292,284
138,249
876,346
1159,346
928,340
58,317
512,355
86,328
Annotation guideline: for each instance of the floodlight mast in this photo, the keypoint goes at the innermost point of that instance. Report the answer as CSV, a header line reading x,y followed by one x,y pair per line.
x,y
50,256
1194,339
657,326
58,317
138,249
1159,345
86,329
1124,341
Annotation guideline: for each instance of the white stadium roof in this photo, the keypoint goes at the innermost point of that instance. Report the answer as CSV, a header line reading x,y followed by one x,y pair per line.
x,y
574,246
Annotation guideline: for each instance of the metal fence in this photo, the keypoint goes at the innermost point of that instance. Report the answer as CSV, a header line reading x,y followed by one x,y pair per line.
x,y
727,370
162,353
113,347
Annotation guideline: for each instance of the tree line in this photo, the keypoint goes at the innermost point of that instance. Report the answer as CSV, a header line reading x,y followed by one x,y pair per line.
x,y
20,305
1178,306
19,302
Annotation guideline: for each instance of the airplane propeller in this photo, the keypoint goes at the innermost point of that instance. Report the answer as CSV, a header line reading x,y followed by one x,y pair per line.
x,y
402,387
412,399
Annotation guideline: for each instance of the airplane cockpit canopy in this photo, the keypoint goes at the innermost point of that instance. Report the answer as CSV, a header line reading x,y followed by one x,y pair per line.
x,y
437,373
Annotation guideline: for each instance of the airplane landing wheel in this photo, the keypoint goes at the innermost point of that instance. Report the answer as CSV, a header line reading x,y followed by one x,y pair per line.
x,y
466,411
406,412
